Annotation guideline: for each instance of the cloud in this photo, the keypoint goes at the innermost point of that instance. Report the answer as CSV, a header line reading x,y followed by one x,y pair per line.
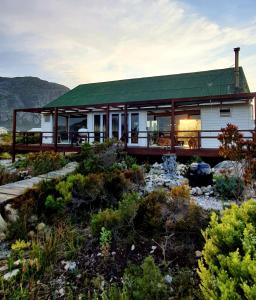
x,y
80,41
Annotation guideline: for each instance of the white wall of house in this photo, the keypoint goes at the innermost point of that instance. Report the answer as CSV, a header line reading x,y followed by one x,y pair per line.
x,y
241,115
47,125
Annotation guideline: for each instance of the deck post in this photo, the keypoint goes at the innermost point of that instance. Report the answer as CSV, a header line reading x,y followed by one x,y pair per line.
x,y
125,126
107,123
56,129
173,126
255,113
14,123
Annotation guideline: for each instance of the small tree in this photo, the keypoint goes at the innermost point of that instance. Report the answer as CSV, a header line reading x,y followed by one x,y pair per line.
x,y
228,267
235,147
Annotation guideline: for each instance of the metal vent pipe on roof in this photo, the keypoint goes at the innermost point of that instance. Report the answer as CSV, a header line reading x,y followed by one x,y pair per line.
x,y
237,67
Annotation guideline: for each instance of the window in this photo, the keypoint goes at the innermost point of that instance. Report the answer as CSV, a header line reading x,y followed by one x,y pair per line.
x,y
47,118
225,112
134,128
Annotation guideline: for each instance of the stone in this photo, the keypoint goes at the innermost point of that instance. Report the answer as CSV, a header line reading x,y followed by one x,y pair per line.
x,y
204,189
11,213
170,164
168,279
33,219
3,224
198,254
60,292
2,236
11,274
199,191
31,234
3,268
40,226
69,266
229,167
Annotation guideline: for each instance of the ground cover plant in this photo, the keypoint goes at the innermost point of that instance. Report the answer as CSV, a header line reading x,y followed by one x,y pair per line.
x,y
97,235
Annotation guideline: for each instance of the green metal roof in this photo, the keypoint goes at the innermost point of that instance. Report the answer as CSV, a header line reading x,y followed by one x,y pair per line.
x,y
197,84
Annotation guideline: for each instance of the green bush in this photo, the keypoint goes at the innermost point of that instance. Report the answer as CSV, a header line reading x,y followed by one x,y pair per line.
x,y
228,267
54,203
6,176
150,216
229,188
114,219
5,155
44,162
108,218
146,282
115,185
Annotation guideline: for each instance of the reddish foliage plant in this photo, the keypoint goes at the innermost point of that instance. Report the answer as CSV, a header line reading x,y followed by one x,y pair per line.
x,y
235,147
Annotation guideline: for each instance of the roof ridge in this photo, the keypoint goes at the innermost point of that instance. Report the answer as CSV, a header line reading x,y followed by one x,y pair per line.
x,y
156,76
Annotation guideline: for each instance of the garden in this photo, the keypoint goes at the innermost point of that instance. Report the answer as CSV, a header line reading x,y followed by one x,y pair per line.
x,y
118,229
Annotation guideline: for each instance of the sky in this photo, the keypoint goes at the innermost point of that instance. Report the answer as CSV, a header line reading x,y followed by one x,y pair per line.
x,y
81,41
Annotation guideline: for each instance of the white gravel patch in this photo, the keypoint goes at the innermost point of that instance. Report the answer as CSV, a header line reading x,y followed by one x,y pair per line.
x,y
209,203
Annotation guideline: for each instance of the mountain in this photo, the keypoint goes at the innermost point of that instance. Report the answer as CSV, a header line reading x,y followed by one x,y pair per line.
x,y
25,92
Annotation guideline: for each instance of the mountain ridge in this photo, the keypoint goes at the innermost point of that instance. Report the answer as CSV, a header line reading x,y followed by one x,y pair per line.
x,y
26,92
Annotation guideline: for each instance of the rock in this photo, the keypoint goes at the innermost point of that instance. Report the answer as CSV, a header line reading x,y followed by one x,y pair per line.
x,y
31,234
204,189
170,164
69,266
40,226
3,268
11,213
11,274
200,174
60,292
4,251
198,254
229,167
199,191
2,236
168,279
194,191
33,219
3,224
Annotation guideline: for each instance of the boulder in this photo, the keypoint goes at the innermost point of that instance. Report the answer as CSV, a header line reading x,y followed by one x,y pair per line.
x,y
229,167
11,213
3,224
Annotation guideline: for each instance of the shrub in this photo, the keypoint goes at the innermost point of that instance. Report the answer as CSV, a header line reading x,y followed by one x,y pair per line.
x,y
105,241
227,269
135,174
115,185
54,203
145,282
107,218
229,187
115,219
5,155
45,162
150,215
180,193
6,176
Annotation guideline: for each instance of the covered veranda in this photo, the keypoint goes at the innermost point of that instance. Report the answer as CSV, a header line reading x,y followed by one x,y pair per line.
x,y
168,126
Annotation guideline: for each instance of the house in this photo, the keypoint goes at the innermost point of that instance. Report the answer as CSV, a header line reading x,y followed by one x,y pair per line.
x,y
181,113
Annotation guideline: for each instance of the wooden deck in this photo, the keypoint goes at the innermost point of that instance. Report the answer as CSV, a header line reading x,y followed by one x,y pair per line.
x,y
142,151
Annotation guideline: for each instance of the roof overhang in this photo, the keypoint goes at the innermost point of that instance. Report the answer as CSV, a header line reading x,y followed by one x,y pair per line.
x,y
231,98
